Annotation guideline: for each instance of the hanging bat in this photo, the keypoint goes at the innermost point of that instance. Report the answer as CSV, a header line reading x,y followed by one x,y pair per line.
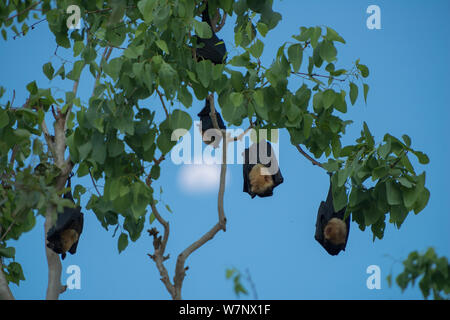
x,y
212,49
64,235
331,229
260,170
207,123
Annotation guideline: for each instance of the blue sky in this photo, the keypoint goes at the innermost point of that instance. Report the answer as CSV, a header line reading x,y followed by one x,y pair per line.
x,y
274,237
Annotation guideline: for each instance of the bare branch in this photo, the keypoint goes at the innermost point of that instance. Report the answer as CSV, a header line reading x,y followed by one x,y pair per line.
x,y
162,101
160,247
312,75
5,292
23,11
14,215
307,156
180,269
165,224
213,111
214,23
93,182
239,137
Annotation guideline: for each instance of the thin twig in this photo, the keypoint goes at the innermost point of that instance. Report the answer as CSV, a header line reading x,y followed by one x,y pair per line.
x,y
93,182
312,75
14,97
162,101
14,214
239,137
23,11
307,156
252,284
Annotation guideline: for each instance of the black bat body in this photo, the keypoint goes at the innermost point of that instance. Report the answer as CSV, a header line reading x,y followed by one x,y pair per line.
x,y
207,123
271,181
64,235
325,214
212,49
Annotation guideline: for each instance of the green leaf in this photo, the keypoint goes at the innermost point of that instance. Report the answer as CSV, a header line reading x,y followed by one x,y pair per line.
x,y
422,201
76,71
327,51
155,172
133,52
237,98
123,242
332,35
4,118
204,72
162,45
146,8
389,280
185,97
180,120
295,54
353,93
168,78
317,31
384,150
262,28
366,91
256,49
9,252
229,273
202,29
168,208
422,157
152,217
394,195
48,70
77,48
371,215
307,125
32,87
364,70
329,97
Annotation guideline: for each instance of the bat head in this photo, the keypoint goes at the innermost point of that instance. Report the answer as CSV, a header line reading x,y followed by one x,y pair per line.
x,y
335,231
68,238
260,179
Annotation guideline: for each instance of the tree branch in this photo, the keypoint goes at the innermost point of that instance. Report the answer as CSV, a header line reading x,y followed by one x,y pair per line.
x,y
162,101
160,247
93,182
180,269
307,156
23,11
312,75
5,292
